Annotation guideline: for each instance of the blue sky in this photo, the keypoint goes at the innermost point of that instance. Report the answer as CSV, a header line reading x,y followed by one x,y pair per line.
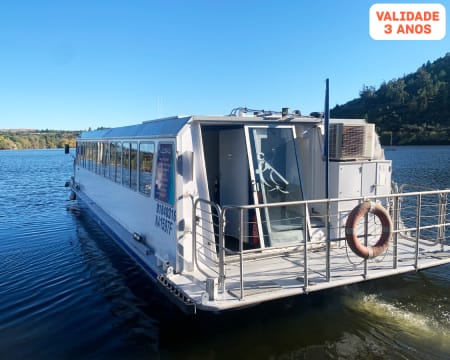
x,y
75,64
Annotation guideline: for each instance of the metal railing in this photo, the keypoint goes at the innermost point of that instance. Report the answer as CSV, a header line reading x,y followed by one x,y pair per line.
x,y
227,239
430,203
205,225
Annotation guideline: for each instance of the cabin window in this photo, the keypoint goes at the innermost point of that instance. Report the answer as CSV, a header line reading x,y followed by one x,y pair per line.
x,y
115,161
94,157
105,159
146,152
86,155
129,165
90,156
80,154
133,165
99,160
164,177
126,164
83,154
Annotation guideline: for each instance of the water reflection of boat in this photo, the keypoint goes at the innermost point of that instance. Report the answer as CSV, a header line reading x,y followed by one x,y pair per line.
x,y
225,212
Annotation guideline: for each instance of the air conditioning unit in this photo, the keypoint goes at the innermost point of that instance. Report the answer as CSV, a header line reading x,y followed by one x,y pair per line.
x,y
351,141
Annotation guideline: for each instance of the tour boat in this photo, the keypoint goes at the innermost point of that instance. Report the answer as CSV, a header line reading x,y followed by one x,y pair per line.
x,y
226,212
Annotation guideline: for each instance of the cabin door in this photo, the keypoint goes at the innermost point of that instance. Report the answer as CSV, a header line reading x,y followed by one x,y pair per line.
x,y
275,177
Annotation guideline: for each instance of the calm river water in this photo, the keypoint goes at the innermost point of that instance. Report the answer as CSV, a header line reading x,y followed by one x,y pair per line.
x,y
68,292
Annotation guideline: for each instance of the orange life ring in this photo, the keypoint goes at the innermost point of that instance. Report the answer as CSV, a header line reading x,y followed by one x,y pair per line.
x,y
368,252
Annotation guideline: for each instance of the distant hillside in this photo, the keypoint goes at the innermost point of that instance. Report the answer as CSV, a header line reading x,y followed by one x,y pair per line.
x,y
414,109
13,139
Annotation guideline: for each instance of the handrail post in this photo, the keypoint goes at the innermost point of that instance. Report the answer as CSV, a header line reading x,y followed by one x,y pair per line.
x,y
305,261
396,214
366,241
241,250
194,233
222,250
442,215
418,211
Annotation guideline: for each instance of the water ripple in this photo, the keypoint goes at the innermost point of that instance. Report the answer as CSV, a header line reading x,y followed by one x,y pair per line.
x,y
68,292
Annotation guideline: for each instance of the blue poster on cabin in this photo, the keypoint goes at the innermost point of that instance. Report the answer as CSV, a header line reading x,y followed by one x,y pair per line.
x,y
164,180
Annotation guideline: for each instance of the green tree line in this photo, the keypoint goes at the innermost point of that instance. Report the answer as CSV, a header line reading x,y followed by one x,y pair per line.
x,y
36,139
414,109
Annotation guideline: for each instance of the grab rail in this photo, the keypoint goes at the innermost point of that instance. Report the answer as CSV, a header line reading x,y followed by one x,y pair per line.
x,y
209,220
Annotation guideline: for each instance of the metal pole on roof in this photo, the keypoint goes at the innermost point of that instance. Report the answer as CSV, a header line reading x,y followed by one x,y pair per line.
x,y
326,154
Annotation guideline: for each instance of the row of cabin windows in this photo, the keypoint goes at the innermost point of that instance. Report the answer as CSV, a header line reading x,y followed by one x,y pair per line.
x,y
128,163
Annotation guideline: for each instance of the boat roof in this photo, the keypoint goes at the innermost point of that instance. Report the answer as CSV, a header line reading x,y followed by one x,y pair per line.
x,y
171,126
167,127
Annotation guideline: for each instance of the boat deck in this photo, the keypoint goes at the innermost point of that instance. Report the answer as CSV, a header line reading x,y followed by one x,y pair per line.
x,y
283,275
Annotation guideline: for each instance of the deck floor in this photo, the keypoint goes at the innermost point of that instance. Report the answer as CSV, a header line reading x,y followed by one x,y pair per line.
x,y
283,275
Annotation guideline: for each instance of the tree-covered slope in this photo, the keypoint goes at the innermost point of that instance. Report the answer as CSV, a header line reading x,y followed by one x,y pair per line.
x,y
414,109
36,139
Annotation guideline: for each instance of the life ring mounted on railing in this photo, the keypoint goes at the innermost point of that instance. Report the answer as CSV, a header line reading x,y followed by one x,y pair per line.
x,y
368,252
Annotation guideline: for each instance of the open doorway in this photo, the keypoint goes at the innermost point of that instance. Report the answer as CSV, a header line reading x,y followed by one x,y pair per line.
x,y
228,176
255,165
